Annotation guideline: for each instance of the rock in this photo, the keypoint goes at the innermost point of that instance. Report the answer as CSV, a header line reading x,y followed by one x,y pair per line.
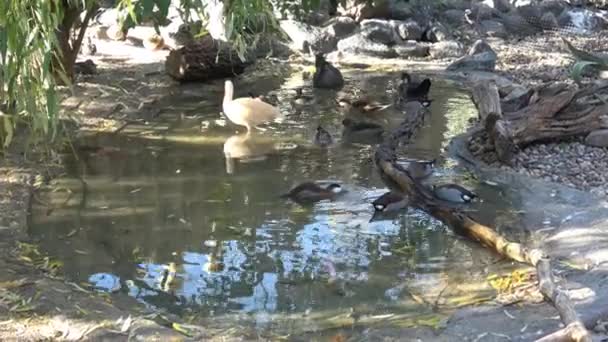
x,y
454,16
556,7
597,138
360,10
580,20
359,44
530,13
412,49
400,10
518,25
107,17
341,27
445,49
481,11
548,21
303,35
492,28
380,31
500,5
409,30
436,32
87,67
480,57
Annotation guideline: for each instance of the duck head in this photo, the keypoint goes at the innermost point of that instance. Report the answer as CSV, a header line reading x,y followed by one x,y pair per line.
x,y
406,77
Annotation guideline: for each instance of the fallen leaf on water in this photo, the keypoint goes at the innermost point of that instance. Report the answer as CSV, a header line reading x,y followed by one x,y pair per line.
x,y
81,252
126,324
72,233
179,328
135,190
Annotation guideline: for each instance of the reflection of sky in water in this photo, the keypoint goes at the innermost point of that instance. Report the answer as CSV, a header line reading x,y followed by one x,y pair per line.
x,y
275,256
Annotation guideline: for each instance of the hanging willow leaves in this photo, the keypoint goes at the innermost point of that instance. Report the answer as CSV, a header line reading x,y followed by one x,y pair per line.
x,y
40,40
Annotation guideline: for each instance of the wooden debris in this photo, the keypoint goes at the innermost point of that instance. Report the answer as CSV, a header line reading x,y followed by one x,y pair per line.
x,y
202,60
399,180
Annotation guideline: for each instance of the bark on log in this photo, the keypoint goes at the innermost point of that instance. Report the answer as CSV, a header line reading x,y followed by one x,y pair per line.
x,y
399,180
487,99
203,60
558,113
575,329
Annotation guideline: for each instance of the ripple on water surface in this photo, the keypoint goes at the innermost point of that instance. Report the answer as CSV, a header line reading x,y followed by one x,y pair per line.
x,y
159,213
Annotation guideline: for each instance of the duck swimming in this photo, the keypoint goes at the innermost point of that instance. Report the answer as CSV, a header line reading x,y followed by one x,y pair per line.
x,y
413,90
310,192
453,193
322,137
362,105
247,111
326,75
390,201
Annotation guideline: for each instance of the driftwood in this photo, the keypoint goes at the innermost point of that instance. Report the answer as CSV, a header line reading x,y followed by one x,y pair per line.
x,y
203,60
553,113
486,99
399,180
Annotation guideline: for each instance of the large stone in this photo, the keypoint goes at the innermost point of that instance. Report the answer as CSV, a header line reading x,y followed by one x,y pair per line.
x,y
481,57
548,21
580,20
445,49
341,27
454,16
363,9
556,7
409,30
358,44
380,31
400,10
597,138
436,32
304,36
500,5
493,28
412,49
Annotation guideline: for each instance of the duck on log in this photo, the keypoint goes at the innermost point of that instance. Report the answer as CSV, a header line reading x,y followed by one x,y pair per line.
x,y
400,181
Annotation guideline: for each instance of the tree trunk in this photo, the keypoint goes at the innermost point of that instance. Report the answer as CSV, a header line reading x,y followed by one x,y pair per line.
x,y
69,48
203,60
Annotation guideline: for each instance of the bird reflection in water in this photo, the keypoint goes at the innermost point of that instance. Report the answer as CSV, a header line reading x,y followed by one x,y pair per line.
x,y
246,147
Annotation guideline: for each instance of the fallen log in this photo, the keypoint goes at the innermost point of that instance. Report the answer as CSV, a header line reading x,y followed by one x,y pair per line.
x,y
399,180
202,60
486,99
557,113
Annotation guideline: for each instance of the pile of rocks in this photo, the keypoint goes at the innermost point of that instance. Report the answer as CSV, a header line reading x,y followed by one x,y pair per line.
x,y
398,29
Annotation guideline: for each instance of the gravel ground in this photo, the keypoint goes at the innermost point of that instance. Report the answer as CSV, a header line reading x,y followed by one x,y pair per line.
x,y
543,59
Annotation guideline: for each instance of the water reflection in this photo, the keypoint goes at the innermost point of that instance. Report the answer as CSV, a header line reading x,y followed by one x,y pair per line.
x,y
246,147
172,220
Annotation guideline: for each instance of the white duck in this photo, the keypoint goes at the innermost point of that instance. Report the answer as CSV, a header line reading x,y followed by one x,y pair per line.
x,y
247,111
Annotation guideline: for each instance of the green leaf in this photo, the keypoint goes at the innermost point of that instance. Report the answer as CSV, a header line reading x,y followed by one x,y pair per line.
x,y
577,69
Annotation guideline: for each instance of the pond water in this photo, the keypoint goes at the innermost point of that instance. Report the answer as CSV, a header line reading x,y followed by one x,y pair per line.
x,y
157,212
